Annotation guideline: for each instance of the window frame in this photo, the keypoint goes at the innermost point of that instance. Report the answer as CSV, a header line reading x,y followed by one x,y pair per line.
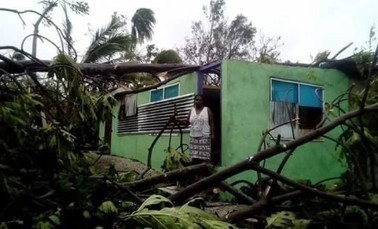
x,y
295,82
297,104
163,91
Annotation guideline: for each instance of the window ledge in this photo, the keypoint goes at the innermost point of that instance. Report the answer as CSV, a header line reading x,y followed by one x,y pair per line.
x,y
154,133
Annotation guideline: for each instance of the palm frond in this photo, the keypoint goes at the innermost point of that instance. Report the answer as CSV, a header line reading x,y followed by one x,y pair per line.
x,y
101,38
143,23
116,43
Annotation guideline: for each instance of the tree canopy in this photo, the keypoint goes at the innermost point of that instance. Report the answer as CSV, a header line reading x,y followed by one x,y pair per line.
x,y
217,38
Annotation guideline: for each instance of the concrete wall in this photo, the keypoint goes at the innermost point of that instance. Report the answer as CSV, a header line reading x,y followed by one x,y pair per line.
x,y
136,146
245,115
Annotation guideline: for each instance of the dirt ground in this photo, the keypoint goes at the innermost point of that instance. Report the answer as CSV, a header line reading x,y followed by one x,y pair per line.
x,y
121,164
124,164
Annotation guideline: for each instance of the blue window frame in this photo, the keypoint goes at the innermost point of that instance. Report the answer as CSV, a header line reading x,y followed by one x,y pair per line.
x,y
156,95
297,93
171,91
167,92
295,107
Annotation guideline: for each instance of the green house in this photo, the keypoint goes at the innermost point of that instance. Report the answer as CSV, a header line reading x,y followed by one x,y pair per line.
x,y
246,99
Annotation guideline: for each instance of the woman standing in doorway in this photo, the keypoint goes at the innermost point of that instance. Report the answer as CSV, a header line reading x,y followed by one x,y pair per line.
x,y
201,134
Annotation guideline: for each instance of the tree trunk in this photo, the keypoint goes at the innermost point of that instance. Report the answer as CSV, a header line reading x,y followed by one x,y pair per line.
x,y
36,26
96,69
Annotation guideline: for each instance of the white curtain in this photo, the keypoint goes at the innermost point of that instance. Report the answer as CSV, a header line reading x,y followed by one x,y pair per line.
x,y
130,105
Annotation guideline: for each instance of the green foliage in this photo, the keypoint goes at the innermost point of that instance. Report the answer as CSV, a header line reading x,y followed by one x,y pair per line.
x,y
359,142
185,216
168,56
108,207
17,56
364,56
79,7
321,56
217,38
265,50
175,159
155,201
142,24
114,40
285,219
45,181
222,39
109,40
82,107
128,176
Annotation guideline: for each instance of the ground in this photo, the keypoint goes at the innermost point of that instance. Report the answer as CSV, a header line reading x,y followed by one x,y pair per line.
x,y
125,164
121,164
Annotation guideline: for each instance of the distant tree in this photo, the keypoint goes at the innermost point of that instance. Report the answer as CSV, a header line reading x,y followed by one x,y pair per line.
x,y
167,57
138,80
218,39
266,49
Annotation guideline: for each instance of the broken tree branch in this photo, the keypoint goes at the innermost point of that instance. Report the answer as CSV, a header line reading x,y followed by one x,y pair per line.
x,y
341,50
316,192
169,176
238,194
216,178
258,206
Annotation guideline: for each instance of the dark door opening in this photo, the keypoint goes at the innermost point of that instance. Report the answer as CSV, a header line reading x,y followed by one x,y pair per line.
x,y
108,133
212,100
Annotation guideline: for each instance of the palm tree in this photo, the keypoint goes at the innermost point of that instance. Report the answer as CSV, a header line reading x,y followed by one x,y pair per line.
x,y
143,23
113,42
113,39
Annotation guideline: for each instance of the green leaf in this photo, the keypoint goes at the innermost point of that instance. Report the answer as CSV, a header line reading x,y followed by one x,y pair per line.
x,y
154,200
216,224
55,219
283,219
86,214
128,176
44,225
108,207
166,218
195,212
301,223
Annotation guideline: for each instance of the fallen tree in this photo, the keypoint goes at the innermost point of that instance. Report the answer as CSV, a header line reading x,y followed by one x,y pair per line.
x,y
251,162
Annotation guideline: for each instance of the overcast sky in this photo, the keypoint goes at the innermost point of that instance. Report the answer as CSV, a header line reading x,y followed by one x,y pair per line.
x,y
305,26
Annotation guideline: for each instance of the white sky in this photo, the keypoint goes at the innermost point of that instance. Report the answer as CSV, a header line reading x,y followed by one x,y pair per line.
x,y
305,26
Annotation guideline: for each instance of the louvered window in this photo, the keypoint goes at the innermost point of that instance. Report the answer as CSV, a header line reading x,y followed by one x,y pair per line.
x,y
152,117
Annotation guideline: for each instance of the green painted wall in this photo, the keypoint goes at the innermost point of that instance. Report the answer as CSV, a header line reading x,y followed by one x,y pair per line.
x,y
245,114
136,146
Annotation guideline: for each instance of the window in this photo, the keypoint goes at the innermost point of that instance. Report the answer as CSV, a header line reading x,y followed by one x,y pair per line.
x,y
164,93
295,107
152,117
128,106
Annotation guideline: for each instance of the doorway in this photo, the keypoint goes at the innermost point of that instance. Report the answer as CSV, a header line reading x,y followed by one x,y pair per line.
x,y
212,100
108,133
